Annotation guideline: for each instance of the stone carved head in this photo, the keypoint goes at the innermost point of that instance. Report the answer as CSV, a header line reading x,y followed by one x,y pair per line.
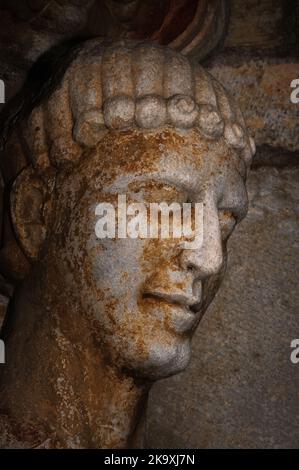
x,y
144,121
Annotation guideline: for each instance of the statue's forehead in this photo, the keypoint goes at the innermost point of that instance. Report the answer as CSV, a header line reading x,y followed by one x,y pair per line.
x,y
182,159
137,153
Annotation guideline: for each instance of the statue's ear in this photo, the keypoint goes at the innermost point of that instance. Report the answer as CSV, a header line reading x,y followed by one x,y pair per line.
x,y
31,204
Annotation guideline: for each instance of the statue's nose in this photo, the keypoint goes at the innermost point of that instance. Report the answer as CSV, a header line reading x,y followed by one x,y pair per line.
x,y
208,258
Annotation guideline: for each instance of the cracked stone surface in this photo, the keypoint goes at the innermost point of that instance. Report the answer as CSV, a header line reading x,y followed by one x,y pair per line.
x,y
241,389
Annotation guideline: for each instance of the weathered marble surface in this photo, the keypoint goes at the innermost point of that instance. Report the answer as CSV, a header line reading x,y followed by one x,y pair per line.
x,y
241,390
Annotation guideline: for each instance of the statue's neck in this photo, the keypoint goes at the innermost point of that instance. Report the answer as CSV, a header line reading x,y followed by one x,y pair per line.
x,y
56,379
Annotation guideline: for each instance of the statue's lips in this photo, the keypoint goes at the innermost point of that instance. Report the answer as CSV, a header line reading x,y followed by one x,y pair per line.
x,y
186,308
189,305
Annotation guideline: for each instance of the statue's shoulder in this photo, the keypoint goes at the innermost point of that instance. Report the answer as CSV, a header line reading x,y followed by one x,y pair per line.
x,y
23,435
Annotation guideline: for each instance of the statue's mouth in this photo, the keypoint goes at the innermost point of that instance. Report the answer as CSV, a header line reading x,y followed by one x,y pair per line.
x,y
192,303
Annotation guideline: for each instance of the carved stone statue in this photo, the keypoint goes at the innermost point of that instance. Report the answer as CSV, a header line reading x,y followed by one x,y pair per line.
x,y
93,323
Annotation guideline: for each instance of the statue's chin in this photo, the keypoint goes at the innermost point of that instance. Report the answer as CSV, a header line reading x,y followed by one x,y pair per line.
x,y
166,360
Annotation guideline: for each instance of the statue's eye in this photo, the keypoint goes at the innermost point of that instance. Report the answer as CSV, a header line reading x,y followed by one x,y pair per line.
x,y
227,223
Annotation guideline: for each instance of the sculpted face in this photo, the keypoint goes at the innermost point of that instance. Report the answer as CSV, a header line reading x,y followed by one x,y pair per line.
x,y
107,316
144,298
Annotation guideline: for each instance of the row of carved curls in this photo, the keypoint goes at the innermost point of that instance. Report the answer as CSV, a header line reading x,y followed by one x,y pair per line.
x,y
122,87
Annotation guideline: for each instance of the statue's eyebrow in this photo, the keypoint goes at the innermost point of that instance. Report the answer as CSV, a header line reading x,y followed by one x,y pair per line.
x,y
161,181
165,180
